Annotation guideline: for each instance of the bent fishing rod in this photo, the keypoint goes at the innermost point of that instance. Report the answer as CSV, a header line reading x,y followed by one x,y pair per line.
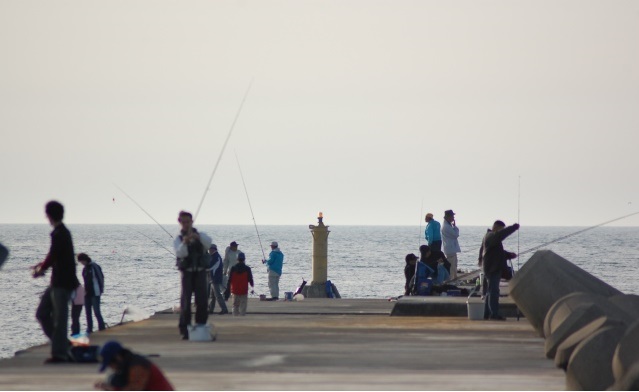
x,y
250,207
577,232
219,158
139,206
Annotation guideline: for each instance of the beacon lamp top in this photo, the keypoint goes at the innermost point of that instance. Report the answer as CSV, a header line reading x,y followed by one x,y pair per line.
x,y
320,216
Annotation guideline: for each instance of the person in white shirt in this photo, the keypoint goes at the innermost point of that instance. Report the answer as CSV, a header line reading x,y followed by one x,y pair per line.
x,y
191,249
229,261
450,233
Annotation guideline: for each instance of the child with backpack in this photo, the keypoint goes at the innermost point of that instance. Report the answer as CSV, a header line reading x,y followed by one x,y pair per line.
x,y
239,280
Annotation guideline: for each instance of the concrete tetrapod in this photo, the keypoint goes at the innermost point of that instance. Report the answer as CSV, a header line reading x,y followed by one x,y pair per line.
x,y
629,303
566,305
566,348
545,278
627,353
575,321
590,365
574,311
629,381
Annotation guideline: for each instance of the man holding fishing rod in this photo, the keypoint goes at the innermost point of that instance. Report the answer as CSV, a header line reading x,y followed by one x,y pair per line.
x,y
494,259
193,261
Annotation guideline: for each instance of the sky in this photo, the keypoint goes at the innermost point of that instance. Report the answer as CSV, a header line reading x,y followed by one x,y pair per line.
x,y
373,112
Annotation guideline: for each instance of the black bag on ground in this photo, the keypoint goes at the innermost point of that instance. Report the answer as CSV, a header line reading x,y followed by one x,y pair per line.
x,y
85,354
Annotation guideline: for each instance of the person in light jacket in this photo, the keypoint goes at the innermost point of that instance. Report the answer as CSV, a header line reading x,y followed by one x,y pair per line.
x,y
274,269
190,249
450,233
229,261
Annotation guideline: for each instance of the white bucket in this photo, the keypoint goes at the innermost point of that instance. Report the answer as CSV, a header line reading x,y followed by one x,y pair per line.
x,y
475,310
201,333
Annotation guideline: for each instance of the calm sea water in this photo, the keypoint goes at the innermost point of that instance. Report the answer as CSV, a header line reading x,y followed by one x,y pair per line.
x,y
364,262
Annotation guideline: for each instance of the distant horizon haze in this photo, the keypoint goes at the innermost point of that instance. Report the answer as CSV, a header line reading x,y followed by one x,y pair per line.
x,y
374,112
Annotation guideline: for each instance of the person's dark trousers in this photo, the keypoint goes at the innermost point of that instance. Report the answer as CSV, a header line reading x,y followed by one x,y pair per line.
x,y
53,315
437,245
193,282
216,294
93,302
76,311
491,307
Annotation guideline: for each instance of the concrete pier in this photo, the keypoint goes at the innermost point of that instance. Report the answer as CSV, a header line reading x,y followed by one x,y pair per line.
x,y
317,344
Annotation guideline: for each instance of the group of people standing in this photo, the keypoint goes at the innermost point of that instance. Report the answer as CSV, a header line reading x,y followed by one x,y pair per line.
x,y
441,267
213,279
53,309
200,267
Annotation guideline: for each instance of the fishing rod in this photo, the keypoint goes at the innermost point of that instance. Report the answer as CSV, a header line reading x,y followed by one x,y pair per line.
x,y
228,136
421,218
149,215
250,207
518,216
578,232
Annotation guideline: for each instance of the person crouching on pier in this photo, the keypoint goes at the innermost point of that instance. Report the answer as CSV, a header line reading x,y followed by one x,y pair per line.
x,y
131,372
409,271
239,279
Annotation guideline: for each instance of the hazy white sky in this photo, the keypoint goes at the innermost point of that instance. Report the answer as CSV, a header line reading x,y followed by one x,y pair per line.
x,y
360,109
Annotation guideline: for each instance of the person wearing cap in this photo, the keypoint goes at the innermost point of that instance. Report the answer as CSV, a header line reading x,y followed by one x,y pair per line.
x,y
274,269
216,278
239,279
131,372
230,259
433,233
450,233
190,249
494,259
409,271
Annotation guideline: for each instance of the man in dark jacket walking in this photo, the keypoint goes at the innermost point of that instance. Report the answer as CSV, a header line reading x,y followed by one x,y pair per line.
x,y
94,287
494,259
216,277
53,310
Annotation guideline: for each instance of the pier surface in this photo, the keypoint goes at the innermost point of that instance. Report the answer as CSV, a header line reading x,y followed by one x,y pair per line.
x,y
317,344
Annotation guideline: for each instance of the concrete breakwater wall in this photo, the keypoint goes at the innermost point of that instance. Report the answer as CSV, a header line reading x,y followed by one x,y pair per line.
x,y
591,328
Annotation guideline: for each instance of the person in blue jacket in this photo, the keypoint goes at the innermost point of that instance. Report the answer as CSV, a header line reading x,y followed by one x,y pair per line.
x,y
433,233
216,276
274,268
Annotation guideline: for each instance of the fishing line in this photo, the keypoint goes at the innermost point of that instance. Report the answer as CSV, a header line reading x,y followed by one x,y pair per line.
x,y
250,207
162,246
239,110
578,232
149,215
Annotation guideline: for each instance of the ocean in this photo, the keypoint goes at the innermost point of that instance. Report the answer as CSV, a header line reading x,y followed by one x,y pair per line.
x,y
363,262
